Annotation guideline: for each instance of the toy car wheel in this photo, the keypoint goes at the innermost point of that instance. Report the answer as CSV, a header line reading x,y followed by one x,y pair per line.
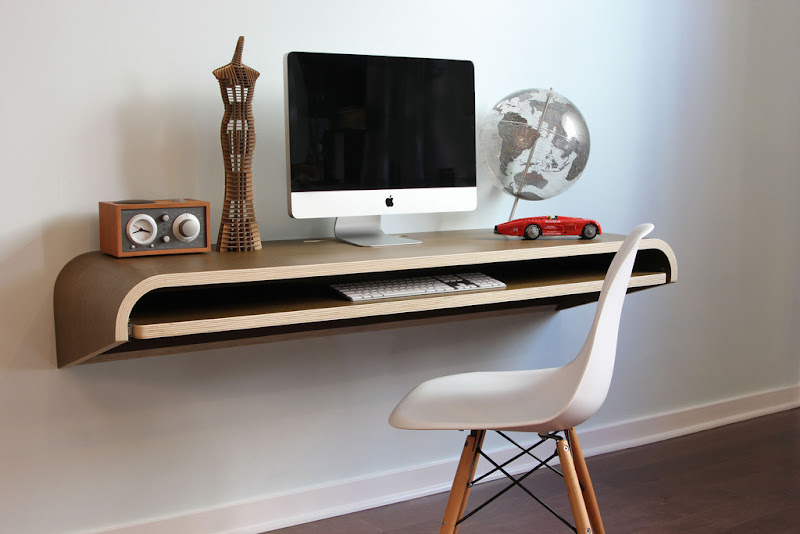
x,y
589,231
532,231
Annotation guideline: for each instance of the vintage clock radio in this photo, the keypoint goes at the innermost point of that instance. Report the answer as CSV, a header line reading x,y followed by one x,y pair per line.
x,y
147,227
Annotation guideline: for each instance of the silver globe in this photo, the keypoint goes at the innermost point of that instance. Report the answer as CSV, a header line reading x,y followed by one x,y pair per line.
x,y
535,143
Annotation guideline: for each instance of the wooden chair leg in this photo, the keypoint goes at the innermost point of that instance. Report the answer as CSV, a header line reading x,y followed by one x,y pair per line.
x,y
589,496
459,493
579,512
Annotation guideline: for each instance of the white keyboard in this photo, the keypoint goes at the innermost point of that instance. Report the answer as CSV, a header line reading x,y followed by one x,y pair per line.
x,y
416,285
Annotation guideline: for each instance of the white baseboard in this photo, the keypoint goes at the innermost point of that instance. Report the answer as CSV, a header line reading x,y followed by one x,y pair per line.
x,y
360,494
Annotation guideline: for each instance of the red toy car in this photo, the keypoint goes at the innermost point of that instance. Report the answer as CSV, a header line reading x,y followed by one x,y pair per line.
x,y
533,227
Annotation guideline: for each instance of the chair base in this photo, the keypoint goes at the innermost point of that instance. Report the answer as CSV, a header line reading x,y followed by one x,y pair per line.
x,y
583,501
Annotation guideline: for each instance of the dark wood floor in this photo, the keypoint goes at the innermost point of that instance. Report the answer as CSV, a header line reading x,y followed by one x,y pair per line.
x,y
743,477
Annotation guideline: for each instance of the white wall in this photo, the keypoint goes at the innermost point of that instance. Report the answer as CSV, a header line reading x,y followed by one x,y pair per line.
x,y
693,108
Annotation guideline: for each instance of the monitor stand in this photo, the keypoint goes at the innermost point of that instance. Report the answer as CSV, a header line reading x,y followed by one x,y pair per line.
x,y
365,231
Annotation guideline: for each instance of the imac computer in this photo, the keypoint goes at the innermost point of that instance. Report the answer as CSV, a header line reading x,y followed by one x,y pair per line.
x,y
374,135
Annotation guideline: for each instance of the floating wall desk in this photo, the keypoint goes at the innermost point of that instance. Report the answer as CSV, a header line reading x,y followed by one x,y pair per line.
x,y
116,308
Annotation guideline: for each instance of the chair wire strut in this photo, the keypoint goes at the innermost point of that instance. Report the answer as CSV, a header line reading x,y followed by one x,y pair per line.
x,y
517,481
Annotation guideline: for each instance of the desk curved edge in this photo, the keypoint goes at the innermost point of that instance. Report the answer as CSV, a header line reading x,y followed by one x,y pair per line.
x,y
95,294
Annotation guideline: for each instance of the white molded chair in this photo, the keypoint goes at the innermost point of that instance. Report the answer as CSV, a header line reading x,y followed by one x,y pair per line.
x,y
545,401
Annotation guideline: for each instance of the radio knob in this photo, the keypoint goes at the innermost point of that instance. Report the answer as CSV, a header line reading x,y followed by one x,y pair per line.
x,y
186,227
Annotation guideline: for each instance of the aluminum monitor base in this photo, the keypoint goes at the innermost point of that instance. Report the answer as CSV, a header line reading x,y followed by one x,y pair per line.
x,y
365,231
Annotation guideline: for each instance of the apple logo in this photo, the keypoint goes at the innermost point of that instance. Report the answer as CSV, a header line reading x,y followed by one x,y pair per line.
x,y
389,202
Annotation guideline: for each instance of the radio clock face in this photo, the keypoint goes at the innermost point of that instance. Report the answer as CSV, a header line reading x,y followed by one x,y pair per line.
x,y
141,229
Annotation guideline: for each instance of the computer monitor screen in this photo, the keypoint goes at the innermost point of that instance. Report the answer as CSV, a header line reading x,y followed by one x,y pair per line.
x,y
374,135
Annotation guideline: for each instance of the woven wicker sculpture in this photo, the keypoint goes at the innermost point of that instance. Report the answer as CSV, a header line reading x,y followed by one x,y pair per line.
x,y
238,229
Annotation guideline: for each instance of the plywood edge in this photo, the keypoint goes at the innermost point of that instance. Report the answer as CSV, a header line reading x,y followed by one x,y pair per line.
x,y
427,261
86,358
669,254
314,331
258,274
379,308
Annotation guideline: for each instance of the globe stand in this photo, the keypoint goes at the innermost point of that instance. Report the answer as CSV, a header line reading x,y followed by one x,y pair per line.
x,y
530,155
365,231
